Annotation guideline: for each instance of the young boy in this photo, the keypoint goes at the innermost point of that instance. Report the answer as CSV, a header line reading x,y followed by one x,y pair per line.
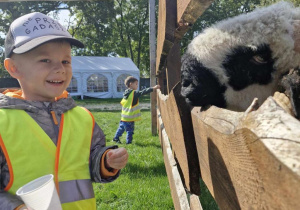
x,y
130,110
42,131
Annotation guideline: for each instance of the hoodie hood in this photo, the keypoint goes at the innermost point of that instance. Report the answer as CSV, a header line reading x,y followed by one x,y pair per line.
x,y
12,99
127,93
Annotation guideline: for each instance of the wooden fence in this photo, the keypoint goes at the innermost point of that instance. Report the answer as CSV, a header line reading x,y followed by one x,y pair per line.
x,y
247,160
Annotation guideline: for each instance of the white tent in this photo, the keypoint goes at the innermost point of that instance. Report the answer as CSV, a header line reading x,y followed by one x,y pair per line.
x,y
101,77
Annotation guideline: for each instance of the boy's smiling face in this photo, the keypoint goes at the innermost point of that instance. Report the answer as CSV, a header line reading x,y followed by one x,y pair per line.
x,y
44,72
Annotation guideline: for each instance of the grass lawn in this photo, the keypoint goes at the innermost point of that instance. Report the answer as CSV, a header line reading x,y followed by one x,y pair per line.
x,y
143,183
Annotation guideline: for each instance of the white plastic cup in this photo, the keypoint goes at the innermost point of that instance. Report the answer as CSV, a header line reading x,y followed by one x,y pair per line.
x,y
40,194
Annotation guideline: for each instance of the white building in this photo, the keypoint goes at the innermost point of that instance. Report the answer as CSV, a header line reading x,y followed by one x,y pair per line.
x,y
100,77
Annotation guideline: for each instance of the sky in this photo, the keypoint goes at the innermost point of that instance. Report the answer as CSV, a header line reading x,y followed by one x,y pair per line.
x,y
63,17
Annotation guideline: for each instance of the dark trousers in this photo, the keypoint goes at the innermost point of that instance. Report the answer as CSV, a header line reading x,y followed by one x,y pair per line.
x,y
128,127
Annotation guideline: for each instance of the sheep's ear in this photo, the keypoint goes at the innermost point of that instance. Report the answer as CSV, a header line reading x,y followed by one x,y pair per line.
x,y
296,35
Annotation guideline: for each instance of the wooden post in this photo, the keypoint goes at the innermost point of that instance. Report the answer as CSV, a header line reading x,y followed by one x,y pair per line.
x,y
176,116
176,186
173,66
249,160
153,95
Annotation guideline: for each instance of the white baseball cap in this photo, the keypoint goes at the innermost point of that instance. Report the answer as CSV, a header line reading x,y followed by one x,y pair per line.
x,y
32,30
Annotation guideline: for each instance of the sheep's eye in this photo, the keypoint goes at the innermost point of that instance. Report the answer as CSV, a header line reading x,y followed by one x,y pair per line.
x,y
259,59
185,83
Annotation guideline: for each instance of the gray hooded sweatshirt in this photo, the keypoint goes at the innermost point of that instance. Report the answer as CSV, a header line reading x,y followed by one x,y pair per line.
x,y
40,112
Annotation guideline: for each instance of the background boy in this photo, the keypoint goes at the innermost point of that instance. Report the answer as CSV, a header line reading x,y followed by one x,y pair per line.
x,y
42,131
130,110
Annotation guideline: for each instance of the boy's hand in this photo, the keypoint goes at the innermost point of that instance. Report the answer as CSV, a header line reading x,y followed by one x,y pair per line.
x,y
156,87
117,158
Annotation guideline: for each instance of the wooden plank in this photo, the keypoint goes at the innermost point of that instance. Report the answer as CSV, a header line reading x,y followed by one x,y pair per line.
x,y
162,81
195,203
173,25
177,120
166,29
152,42
177,190
173,66
252,161
188,11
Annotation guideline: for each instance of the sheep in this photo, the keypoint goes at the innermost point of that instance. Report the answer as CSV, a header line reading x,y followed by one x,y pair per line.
x,y
242,58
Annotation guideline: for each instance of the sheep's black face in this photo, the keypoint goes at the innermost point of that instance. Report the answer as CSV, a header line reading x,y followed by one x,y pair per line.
x,y
200,86
245,66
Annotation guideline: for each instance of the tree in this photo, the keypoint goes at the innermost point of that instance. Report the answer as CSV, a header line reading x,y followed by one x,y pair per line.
x,y
118,27
114,28
93,26
107,28
131,29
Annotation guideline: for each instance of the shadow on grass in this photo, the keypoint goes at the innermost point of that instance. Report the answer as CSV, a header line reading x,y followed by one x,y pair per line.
x,y
139,171
146,144
206,199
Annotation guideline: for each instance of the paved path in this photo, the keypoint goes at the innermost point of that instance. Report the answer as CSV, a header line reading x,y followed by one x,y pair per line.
x,y
113,106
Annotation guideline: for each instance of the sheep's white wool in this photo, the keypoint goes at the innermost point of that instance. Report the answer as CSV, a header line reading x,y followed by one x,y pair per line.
x,y
271,25
243,98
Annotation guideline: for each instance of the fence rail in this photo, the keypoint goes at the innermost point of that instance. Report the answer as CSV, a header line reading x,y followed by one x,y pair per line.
x,y
247,160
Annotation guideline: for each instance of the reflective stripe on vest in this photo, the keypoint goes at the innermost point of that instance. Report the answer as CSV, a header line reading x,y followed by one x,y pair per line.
x,y
20,135
129,112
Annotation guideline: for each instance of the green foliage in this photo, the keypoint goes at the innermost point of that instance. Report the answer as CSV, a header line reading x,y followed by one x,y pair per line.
x,y
118,27
107,28
131,29
121,29
143,183
92,26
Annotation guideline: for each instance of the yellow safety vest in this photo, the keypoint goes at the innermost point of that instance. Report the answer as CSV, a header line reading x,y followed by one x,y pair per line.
x,y
30,153
130,113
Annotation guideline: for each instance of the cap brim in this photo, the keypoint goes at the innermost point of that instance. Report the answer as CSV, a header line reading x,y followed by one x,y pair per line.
x,y
41,40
